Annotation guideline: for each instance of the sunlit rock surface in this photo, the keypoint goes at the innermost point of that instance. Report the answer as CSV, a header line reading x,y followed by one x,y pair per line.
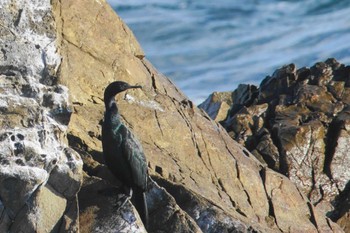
x,y
223,185
57,58
296,122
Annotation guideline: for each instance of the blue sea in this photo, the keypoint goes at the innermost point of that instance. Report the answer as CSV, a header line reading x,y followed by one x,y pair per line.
x,y
207,46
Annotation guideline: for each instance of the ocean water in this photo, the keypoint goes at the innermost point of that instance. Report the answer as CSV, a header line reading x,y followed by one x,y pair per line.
x,y
207,46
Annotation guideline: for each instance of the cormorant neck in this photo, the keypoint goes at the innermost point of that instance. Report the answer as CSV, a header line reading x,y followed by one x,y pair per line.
x,y
111,105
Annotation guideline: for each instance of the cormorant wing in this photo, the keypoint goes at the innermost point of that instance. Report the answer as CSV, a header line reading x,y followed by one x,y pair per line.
x,y
133,152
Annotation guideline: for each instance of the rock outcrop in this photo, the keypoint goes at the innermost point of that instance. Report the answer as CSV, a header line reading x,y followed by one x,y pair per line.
x,y
297,123
40,175
204,181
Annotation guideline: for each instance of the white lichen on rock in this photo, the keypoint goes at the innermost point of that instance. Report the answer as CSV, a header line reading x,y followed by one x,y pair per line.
x,y
147,104
34,116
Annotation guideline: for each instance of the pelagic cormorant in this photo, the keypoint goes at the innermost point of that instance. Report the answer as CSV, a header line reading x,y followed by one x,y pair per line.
x,y
123,153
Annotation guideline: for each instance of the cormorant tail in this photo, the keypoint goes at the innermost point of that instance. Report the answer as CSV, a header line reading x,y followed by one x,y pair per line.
x,y
140,203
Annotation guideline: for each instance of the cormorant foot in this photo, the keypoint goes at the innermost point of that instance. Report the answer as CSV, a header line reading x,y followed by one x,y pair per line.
x,y
126,198
119,206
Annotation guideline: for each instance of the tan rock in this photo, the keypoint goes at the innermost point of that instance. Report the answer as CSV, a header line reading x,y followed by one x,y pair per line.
x,y
52,206
344,222
181,143
217,105
287,204
195,157
49,208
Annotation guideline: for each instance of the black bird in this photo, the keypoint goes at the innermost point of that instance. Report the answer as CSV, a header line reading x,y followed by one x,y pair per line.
x,y
123,153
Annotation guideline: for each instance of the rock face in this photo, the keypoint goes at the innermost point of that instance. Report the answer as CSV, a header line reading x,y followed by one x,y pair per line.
x,y
39,175
297,122
217,105
204,181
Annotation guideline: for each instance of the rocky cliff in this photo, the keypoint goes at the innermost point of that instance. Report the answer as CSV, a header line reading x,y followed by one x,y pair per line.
x,y
57,57
39,174
296,122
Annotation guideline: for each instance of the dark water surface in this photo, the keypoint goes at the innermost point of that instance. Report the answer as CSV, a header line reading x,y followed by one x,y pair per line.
x,y
214,46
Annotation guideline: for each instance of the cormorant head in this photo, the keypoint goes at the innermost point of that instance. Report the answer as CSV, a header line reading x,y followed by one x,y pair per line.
x,y
115,88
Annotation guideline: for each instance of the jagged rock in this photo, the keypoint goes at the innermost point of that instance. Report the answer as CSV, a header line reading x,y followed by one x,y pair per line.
x,y
338,166
302,130
49,205
209,216
33,123
100,210
217,105
210,183
166,215
265,149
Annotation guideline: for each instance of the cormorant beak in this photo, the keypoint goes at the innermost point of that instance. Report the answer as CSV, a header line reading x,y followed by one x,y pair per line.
x,y
133,87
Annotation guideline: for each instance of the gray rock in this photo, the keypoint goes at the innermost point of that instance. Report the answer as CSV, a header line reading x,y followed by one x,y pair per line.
x,y
34,117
